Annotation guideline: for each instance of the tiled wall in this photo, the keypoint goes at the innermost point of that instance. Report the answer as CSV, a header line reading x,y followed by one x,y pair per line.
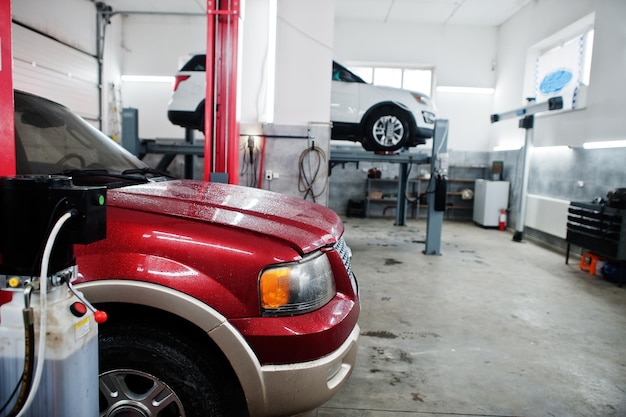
x,y
573,174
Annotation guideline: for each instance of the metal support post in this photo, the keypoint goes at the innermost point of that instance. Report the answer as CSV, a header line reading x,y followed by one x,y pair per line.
x,y
130,130
527,123
189,159
7,125
403,179
434,222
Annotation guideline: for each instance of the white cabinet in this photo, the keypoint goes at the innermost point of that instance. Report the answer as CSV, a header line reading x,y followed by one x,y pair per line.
x,y
489,198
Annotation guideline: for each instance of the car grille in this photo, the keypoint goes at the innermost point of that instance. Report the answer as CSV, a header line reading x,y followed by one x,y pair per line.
x,y
346,256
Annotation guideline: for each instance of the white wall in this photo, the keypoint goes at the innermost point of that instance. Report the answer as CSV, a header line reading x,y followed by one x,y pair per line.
x,y
469,119
303,61
603,118
255,66
156,45
460,56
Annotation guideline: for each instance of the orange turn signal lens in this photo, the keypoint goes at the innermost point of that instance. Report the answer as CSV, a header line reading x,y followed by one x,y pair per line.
x,y
274,286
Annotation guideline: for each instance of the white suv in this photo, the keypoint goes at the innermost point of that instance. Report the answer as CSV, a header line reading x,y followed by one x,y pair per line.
x,y
381,118
186,106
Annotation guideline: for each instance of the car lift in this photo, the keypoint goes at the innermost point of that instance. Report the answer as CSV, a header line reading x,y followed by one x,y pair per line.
x,y
404,159
554,103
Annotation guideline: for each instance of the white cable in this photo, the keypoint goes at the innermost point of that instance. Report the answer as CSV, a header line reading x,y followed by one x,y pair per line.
x,y
43,294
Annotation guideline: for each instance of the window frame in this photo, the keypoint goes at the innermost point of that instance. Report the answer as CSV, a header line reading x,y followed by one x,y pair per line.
x,y
579,34
368,74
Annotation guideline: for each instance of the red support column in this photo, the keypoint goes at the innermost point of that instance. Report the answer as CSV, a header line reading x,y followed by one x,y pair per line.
x,y
221,144
209,102
7,125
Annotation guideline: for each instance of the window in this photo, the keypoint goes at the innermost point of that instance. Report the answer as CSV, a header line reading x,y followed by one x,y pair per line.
x,y
412,79
561,65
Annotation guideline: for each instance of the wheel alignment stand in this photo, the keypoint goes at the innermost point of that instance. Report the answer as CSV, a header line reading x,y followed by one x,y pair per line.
x,y
554,103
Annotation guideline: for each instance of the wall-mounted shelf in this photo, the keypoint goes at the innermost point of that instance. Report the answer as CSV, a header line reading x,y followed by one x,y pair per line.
x,y
459,203
382,197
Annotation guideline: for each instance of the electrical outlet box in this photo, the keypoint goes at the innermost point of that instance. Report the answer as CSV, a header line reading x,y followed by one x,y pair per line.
x,y
275,175
269,175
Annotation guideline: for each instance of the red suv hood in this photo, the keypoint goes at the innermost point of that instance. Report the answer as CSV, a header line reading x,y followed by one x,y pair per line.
x,y
306,226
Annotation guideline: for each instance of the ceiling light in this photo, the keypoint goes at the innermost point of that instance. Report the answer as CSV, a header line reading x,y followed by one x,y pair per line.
x,y
507,148
465,90
553,148
605,144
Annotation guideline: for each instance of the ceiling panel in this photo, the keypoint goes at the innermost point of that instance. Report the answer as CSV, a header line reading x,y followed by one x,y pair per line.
x,y
463,12
408,11
158,6
363,10
487,12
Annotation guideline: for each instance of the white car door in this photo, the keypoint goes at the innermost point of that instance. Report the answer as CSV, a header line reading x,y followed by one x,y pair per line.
x,y
344,102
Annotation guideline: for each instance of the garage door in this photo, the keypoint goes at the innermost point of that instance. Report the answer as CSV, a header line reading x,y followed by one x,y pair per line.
x,y
54,70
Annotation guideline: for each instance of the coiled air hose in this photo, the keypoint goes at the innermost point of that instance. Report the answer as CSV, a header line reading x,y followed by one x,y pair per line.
x,y
308,180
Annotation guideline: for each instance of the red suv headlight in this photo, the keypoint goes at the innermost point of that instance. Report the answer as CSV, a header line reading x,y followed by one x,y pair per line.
x,y
296,288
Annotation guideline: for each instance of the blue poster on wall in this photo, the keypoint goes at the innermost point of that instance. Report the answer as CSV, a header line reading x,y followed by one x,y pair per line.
x,y
555,81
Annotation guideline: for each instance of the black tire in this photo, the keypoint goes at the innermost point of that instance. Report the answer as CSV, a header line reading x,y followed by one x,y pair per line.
x,y
386,129
153,372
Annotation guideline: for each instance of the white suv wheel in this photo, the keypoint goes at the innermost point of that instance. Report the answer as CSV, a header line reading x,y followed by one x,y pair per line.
x,y
388,131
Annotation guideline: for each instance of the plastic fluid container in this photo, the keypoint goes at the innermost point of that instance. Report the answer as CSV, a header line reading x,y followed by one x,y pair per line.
x,y
69,382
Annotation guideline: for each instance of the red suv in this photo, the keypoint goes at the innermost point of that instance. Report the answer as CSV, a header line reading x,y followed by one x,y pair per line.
x,y
222,300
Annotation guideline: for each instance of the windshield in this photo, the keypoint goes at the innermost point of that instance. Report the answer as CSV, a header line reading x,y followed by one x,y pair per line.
x,y
49,139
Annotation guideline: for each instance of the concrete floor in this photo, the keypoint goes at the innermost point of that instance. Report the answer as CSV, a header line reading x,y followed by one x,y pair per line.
x,y
491,327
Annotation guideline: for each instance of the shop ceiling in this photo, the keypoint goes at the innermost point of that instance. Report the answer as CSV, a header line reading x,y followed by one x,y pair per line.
x,y
443,12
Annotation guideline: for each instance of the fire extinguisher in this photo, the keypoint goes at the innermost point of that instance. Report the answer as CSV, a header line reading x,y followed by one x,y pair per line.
x,y
502,224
